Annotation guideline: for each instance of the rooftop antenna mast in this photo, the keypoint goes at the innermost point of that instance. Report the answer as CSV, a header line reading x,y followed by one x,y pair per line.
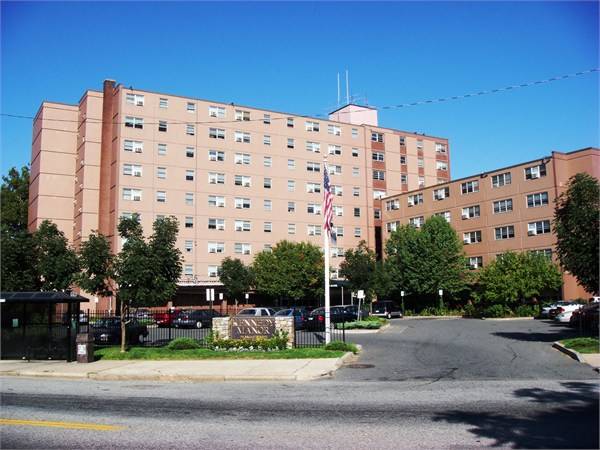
x,y
347,89
338,85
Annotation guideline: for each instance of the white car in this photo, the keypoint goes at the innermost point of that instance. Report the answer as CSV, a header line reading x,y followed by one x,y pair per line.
x,y
566,311
256,312
546,309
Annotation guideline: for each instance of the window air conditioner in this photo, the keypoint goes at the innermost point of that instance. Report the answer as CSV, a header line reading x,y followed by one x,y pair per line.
x,y
531,233
411,202
466,241
534,175
138,150
140,103
465,215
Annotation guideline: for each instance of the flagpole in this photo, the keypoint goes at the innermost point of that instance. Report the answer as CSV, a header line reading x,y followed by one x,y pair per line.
x,y
326,247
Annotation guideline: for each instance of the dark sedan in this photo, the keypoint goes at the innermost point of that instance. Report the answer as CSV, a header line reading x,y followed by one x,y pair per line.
x,y
198,318
300,316
316,319
108,331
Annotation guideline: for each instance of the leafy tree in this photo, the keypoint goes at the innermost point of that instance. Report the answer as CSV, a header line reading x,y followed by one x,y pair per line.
x,y
383,281
166,258
97,264
515,277
422,261
236,277
14,198
56,263
576,224
359,267
292,270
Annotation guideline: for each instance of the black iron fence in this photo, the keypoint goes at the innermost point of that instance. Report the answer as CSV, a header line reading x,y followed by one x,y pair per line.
x,y
157,327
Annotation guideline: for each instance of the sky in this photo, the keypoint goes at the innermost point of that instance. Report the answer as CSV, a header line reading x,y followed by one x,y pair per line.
x,y
285,57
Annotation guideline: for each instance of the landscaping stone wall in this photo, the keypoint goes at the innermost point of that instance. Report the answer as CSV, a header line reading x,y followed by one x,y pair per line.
x,y
222,327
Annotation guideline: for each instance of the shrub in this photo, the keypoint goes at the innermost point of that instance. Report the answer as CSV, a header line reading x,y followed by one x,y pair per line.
x,y
496,311
360,324
183,343
258,344
526,311
342,346
470,311
374,319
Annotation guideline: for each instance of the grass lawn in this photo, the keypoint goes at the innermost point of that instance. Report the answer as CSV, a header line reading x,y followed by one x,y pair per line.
x,y
582,344
204,353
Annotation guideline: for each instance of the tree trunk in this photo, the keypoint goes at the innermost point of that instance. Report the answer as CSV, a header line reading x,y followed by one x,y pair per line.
x,y
123,326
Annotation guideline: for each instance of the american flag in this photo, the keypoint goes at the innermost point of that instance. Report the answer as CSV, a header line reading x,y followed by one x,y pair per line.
x,y
328,203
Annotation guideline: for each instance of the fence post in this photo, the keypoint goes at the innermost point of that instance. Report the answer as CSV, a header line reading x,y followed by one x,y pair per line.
x,y
344,331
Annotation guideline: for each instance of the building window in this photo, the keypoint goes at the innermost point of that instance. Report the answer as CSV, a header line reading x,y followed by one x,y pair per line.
x,y
334,169
355,152
356,191
355,172
189,175
291,184
190,129
291,207
216,178
161,196
445,214
378,195
189,222
267,183
470,212
134,122
290,122
268,205
291,228
421,182
337,252
216,133
335,150
403,178
268,248
442,193
469,187
416,222
339,231
379,175
378,156
242,180
377,213
311,126
161,172
190,107
216,111
336,130
392,205
163,103
419,144
441,165
357,232
216,155
402,159
213,271
503,206
356,212
162,125
540,227
313,188
135,99
291,164
267,119
266,139
313,208
376,137
440,148
402,141
267,161
267,227
313,166
216,224
242,158
133,146
290,143
506,232
475,262
189,198
189,152
132,194
547,252
472,237
415,199
132,170
534,172
243,225
338,210
501,179
337,190
216,200
354,133
420,162
242,136
314,230
242,115
216,247
188,270
188,246
242,203
314,147
392,226
162,149
538,199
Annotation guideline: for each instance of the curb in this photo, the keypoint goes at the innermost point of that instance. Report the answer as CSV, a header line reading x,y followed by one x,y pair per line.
x,y
567,351
431,317
507,318
367,331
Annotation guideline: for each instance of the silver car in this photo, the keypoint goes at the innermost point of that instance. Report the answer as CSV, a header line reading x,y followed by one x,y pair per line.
x,y
256,312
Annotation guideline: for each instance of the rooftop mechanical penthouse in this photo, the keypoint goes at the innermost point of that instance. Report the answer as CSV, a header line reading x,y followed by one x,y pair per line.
x,y
238,179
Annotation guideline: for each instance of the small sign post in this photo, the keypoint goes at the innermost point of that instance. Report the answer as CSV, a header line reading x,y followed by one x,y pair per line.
x,y
402,296
441,294
361,295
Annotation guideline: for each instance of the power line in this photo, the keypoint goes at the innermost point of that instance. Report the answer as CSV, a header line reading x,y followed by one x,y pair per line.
x,y
387,107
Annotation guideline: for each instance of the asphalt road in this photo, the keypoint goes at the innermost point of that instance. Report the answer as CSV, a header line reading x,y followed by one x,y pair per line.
x,y
492,398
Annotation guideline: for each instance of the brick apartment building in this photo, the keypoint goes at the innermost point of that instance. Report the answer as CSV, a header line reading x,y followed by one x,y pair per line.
x,y
511,208
238,179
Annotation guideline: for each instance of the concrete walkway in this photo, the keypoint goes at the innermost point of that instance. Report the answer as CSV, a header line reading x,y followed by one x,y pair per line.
x,y
186,370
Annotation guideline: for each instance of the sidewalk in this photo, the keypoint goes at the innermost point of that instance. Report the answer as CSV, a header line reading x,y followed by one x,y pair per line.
x,y
190,371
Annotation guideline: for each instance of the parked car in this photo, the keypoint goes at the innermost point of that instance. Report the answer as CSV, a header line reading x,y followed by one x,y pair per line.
x,y
165,319
337,314
586,317
386,308
568,307
256,312
545,313
196,318
143,314
300,316
108,331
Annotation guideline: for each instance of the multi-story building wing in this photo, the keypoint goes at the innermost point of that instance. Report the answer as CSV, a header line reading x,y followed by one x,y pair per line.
x,y
238,179
508,209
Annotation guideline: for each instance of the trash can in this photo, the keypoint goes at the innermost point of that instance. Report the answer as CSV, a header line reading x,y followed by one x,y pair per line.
x,y
85,348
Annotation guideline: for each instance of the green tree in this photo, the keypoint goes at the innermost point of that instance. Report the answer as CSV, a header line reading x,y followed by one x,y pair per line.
x,y
359,268
576,224
292,270
237,278
516,277
383,281
166,258
14,198
97,264
56,263
424,260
